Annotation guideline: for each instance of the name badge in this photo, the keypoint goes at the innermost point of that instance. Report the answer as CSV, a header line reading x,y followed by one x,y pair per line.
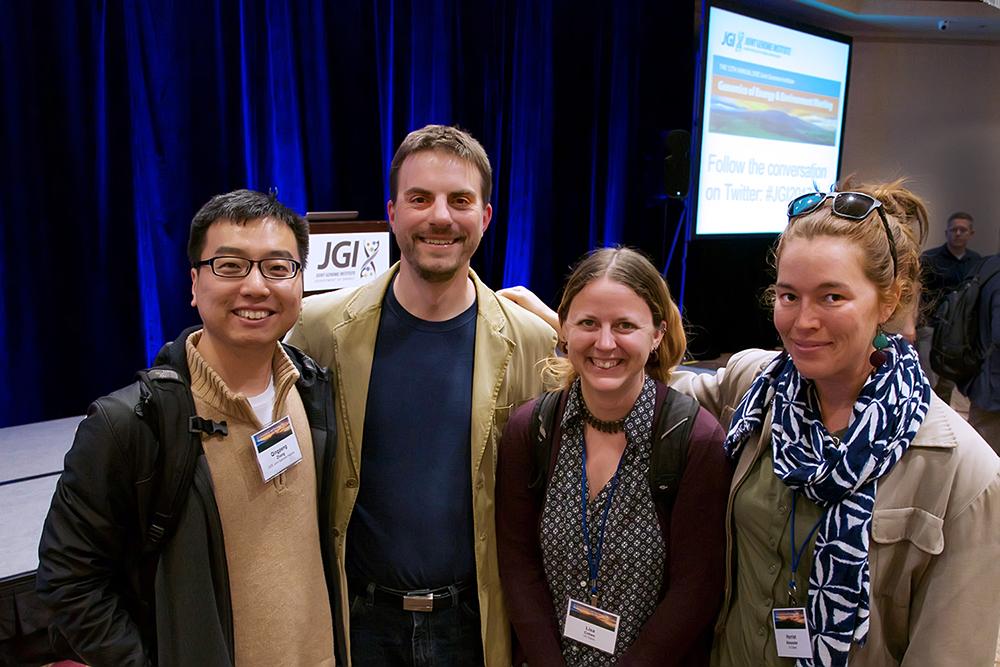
x,y
591,626
791,634
277,448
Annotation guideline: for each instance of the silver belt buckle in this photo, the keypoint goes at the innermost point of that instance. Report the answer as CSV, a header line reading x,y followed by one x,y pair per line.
x,y
418,602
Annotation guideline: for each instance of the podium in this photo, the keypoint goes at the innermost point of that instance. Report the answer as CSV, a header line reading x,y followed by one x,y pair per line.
x,y
344,252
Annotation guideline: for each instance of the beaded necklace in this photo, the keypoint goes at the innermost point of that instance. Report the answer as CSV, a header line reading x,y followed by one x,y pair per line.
x,y
603,426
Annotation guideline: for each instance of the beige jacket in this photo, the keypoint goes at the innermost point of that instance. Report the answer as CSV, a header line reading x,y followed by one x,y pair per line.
x,y
338,330
935,540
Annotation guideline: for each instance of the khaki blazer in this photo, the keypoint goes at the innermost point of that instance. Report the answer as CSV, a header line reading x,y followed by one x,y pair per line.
x,y
934,554
338,330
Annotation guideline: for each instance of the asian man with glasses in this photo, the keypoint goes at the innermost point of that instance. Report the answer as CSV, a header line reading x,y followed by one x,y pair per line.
x,y
242,577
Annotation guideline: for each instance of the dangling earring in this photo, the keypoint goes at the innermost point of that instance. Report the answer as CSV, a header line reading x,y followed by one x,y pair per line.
x,y
880,342
561,346
654,355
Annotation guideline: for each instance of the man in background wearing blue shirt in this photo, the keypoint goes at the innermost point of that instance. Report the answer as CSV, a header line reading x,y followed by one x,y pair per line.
x,y
943,269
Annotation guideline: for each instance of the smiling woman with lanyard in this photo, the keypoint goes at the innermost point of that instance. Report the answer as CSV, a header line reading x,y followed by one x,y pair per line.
x,y
593,574
863,511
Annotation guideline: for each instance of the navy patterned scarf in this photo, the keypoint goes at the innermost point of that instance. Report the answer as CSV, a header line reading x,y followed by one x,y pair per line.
x,y
839,476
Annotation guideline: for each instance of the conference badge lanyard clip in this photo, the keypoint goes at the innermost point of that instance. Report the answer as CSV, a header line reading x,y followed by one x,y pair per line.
x,y
791,631
277,448
588,623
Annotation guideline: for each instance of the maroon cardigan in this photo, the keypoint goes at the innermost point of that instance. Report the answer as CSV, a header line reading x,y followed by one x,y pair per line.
x,y
680,630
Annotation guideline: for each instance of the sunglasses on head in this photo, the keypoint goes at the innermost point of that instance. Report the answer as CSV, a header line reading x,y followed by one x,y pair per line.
x,y
847,205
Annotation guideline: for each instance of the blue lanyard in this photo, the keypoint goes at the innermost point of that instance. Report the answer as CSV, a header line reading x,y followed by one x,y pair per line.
x,y
593,560
797,555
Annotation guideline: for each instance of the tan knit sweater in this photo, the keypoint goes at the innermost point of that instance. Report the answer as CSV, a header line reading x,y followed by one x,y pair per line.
x,y
281,609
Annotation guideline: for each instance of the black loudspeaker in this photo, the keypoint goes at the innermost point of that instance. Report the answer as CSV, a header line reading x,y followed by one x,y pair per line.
x,y
677,164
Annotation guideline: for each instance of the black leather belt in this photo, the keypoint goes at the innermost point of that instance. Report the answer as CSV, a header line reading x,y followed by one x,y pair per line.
x,y
421,600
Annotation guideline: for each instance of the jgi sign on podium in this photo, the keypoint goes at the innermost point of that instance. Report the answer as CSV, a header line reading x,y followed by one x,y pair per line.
x,y
344,253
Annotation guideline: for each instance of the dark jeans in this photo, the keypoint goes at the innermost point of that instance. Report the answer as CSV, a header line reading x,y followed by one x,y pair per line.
x,y
385,637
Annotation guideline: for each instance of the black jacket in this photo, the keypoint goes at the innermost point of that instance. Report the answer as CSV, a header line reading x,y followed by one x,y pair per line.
x,y
117,607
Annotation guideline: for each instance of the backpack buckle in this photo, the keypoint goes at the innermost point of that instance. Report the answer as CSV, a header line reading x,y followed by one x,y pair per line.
x,y
199,425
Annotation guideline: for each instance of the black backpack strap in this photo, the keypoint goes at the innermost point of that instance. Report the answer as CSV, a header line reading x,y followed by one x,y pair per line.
x,y
543,423
168,407
671,433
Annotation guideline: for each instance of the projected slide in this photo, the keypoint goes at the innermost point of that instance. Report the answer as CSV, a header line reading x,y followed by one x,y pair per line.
x,y
767,103
772,121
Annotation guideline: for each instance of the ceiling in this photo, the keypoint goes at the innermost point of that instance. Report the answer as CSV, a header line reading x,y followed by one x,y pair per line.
x,y
895,19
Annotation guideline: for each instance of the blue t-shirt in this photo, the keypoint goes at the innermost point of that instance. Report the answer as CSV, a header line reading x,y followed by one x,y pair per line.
x,y
412,524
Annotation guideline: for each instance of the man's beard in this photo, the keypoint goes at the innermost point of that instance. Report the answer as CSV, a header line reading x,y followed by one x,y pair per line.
x,y
432,274
429,276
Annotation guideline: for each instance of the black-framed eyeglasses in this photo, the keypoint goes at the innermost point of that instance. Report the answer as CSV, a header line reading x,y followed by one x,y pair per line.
x,y
275,268
848,205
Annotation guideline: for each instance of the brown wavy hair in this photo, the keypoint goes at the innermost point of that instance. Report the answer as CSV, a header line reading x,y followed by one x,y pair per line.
x,y
452,140
907,218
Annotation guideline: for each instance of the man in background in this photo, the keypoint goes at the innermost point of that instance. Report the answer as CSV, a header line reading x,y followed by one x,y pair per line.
x,y
239,578
428,364
944,269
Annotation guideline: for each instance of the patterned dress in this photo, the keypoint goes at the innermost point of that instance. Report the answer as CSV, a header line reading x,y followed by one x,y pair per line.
x,y
630,573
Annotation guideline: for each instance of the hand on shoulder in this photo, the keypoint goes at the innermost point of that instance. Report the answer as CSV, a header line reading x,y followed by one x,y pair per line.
x,y
528,300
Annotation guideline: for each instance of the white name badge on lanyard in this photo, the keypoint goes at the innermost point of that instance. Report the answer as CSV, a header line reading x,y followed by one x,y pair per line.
x,y
791,633
591,626
277,448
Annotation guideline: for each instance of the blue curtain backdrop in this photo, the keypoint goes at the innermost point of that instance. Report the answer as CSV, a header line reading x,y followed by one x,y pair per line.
x,y
120,118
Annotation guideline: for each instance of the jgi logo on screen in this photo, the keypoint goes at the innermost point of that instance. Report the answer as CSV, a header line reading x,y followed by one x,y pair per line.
x,y
733,39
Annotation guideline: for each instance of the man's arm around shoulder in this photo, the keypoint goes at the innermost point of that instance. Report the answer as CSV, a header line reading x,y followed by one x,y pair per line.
x,y
528,329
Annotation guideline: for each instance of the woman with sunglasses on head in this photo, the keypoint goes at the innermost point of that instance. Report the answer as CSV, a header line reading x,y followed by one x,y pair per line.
x,y
589,543
863,511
